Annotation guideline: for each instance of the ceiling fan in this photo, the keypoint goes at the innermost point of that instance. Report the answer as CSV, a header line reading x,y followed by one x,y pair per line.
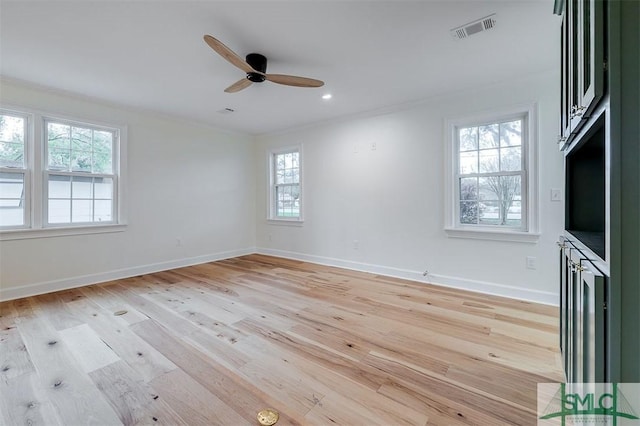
x,y
255,66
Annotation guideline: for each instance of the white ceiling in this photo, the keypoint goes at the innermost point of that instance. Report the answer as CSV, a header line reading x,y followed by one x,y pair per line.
x,y
371,55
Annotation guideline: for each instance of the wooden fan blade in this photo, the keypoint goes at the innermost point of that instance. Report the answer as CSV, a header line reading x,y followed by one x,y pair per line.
x,y
292,80
238,86
228,54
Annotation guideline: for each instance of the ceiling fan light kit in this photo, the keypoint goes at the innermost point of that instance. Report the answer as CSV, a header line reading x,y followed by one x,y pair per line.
x,y
255,66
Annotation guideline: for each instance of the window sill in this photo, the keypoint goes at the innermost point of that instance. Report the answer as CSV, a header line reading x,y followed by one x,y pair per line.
x,y
23,234
285,222
493,235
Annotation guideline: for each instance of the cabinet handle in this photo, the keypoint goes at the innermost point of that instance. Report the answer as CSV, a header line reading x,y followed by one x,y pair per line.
x,y
577,111
576,266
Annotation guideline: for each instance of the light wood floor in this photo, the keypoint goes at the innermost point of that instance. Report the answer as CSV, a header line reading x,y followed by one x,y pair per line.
x,y
216,343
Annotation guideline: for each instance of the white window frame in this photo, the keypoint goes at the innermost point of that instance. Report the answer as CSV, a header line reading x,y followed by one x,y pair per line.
x,y
48,172
37,173
529,232
271,216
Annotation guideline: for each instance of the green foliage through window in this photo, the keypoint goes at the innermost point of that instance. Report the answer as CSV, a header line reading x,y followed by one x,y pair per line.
x,y
12,141
78,149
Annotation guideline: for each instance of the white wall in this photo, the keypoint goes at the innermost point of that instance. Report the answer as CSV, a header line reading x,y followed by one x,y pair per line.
x,y
391,199
208,188
185,181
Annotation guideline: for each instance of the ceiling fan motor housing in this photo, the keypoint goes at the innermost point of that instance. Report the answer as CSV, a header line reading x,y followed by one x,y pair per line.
x,y
259,63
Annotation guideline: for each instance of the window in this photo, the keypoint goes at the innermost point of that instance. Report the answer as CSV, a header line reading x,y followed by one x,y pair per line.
x,y
58,176
80,179
492,175
14,185
285,185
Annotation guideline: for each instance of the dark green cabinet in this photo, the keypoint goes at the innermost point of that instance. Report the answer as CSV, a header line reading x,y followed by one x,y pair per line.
x,y
600,106
582,65
593,324
583,315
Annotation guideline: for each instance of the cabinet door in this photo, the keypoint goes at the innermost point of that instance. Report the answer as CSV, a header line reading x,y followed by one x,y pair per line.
x,y
565,96
582,64
573,42
569,358
565,278
575,372
591,55
594,365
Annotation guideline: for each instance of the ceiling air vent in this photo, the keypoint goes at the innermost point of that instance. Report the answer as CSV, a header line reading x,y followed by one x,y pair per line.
x,y
477,26
226,111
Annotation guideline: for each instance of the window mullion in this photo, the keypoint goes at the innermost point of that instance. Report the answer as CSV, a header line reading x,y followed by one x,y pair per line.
x,y
93,193
490,174
81,174
478,150
13,169
71,200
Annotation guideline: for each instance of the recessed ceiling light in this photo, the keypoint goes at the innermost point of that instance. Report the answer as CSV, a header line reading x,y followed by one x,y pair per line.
x,y
326,96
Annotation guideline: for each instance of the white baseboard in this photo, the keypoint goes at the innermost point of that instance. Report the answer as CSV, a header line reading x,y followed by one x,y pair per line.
x,y
543,297
18,292
536,296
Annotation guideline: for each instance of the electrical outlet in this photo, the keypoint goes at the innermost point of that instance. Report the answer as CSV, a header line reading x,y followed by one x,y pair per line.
x,y
531,262
178,242
355,244
556,194
374,146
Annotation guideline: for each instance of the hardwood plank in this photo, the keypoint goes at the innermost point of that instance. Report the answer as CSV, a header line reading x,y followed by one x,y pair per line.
x,y
317,354
54,309
114,331
23,402
437,412
335,409
87,348
14,358
225,354
193,402
110,303
161,309
7,313
285,385
423,381
242,396
70,390
352,388
341,341
133,400
218,309
150,307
